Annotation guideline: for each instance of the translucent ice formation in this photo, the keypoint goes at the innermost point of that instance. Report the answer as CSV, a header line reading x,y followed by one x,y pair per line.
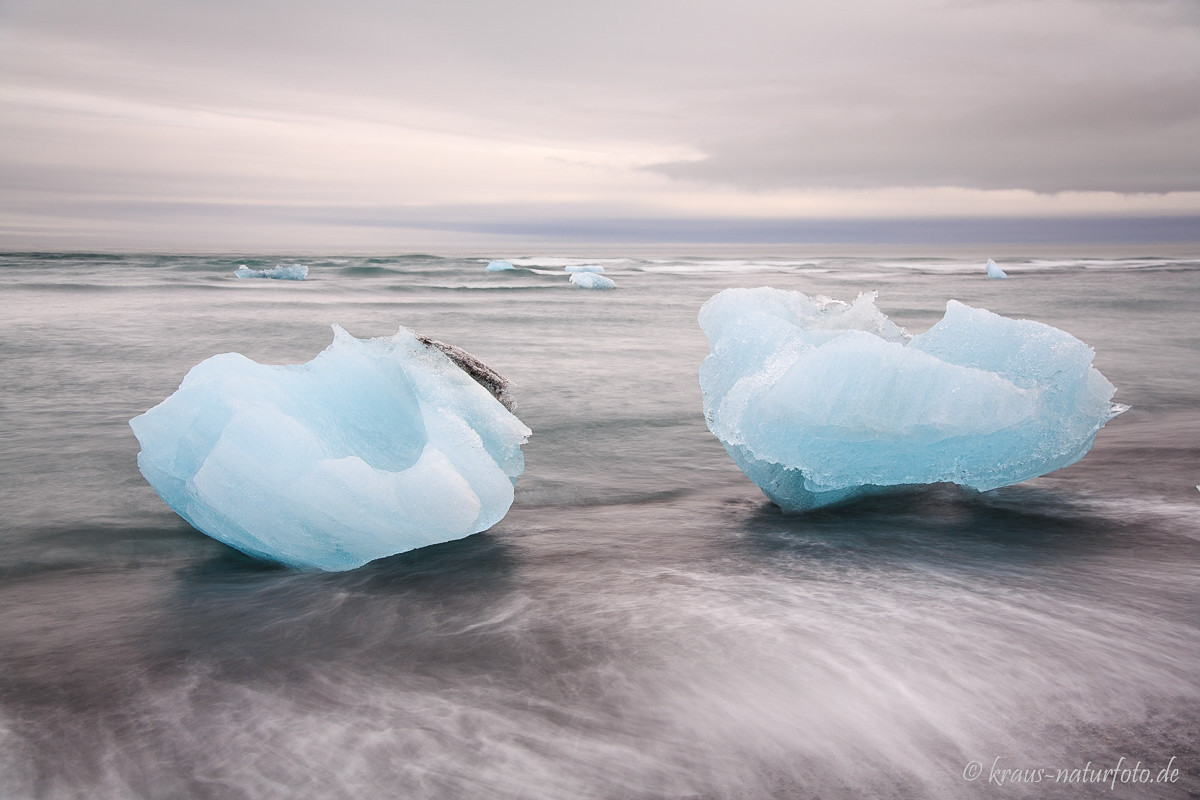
x,y
499,266
819,401
590,280
295,272
374,447
584,268
994,271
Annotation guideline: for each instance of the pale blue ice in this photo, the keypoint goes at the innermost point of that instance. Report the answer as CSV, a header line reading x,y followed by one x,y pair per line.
x,y
995,272
819,401
294,272
499,266
591,280
375,447
583,268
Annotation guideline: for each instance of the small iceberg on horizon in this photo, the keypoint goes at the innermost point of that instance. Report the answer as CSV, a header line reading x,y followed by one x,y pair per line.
x,y
375,447
583,268
995,272
592,280
293,272
499,265
820,401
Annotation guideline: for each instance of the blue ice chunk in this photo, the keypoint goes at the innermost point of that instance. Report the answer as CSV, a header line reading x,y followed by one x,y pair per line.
x,y
590,280
995,272
499,266
375,447
819,401
293,272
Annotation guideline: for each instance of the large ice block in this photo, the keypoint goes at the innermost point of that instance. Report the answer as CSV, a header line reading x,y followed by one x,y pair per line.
x,y
375,447
819,401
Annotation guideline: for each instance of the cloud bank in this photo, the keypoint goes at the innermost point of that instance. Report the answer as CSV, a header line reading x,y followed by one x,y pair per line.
x,y
135,119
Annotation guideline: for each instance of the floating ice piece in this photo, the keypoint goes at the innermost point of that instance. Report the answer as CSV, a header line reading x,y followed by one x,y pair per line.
x,y
294,272
584,268
994,271
590,280
819,401
375,447
499,266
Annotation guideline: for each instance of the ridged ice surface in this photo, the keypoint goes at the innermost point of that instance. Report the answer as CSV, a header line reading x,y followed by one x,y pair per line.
x,y
819,401
374,447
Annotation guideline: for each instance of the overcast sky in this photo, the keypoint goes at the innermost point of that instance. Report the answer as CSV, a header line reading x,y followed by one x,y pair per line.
x,y
385,123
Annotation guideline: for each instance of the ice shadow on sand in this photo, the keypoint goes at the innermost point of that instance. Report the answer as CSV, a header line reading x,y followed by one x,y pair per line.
x,y
235,610
1006,529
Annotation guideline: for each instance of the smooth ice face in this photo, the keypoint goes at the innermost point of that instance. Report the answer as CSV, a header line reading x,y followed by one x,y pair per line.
x,y
583,268
375,447
499,266
819,401
591,280
995,272
295,272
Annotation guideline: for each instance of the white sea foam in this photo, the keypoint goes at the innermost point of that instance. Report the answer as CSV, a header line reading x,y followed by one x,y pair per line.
x,y
560,262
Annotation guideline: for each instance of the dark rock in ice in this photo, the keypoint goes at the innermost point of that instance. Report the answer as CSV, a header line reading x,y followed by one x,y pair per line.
x,y
484,375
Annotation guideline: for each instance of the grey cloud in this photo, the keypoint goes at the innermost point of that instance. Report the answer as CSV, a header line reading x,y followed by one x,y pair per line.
x,y
1120,139
1052,96
210,227
1047,96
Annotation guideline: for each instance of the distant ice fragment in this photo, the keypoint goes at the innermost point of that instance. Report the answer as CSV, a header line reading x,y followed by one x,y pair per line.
x,y
375,447
590,280
819,401
499,266
293,272
584,268
995,272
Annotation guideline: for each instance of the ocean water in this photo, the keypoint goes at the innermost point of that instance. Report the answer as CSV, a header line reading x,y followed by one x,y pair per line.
x,y
643,623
